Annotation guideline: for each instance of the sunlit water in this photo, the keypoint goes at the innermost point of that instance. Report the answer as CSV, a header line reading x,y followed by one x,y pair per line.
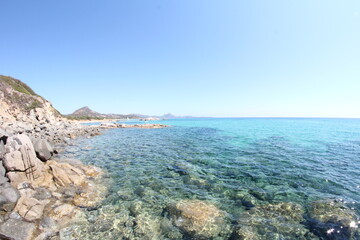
x,y
217,160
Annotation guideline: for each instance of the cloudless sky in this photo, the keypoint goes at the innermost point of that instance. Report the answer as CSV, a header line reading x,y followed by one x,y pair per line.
x,y
225,58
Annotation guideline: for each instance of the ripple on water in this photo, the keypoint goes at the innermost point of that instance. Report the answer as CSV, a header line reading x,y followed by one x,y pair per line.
x,y
239,169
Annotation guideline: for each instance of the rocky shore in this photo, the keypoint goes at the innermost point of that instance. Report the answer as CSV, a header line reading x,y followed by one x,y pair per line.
x,y
122,125
39,195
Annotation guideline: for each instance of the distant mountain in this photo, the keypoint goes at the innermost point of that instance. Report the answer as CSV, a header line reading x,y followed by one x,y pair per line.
x,y
169,116
165,116
87,113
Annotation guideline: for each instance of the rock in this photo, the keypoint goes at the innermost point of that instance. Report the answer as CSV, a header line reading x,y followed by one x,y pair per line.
x,y
17,178
17,229
332,219
15,215
42,193
44,150
64,210
3,200
108,125
30,208
24,127
20,158
2,168
65,175
3,179
199,219
2,150
90,196
11,194
272,221
13,161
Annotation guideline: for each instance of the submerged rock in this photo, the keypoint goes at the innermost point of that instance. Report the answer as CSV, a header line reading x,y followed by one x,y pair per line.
x,y
199,219
272,221
331,219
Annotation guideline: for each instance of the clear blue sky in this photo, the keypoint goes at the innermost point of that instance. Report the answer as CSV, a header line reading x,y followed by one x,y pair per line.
x,y
202,58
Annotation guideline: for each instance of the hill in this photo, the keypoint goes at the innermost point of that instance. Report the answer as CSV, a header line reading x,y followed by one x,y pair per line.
x,y
87,113
18,102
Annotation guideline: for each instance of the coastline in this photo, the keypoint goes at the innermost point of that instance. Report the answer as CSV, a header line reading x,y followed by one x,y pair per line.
x,y
48,193
40,194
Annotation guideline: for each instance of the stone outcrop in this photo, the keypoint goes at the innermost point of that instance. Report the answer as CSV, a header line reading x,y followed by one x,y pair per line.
x,y
32,190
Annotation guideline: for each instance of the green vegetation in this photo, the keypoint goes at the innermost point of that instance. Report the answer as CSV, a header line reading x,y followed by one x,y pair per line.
x,y
33,105
56,112
17,85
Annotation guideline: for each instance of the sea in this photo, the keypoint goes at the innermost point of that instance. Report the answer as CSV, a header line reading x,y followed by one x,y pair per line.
x,y
235,164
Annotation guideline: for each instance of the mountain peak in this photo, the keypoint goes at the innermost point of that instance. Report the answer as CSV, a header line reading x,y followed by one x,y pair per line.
x,y
86,112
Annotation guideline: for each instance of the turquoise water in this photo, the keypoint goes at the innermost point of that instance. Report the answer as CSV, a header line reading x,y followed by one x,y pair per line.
x,y
236,164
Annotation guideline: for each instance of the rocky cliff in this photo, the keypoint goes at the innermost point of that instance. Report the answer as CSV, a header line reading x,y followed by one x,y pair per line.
x,y
39,195
18,102
23,111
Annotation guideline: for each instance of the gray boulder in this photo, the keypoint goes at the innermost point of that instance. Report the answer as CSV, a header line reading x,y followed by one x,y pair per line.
x,y
44,150
2,148
2,178
17,230
3,200
11,194
42,193
2,169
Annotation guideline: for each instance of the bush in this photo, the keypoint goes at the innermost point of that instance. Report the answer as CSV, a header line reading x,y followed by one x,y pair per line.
x,y
17,85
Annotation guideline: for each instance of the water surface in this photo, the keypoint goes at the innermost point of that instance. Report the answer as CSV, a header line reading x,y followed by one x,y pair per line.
x,y
221,160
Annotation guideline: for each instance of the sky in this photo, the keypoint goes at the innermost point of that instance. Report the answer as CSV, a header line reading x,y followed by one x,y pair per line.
x,y
224,58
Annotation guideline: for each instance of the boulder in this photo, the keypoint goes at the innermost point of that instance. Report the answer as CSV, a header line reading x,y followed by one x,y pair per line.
x,y
20,158
44,150
63,210
17,230
2,168
3,200
2,178
65,175
42,194
332,219
17,178
199,219
30,208
13,161
272,221
2,150
89,195
10,193
24,127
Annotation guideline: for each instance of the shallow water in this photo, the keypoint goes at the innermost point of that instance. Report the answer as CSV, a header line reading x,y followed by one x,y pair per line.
x,y
222,161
